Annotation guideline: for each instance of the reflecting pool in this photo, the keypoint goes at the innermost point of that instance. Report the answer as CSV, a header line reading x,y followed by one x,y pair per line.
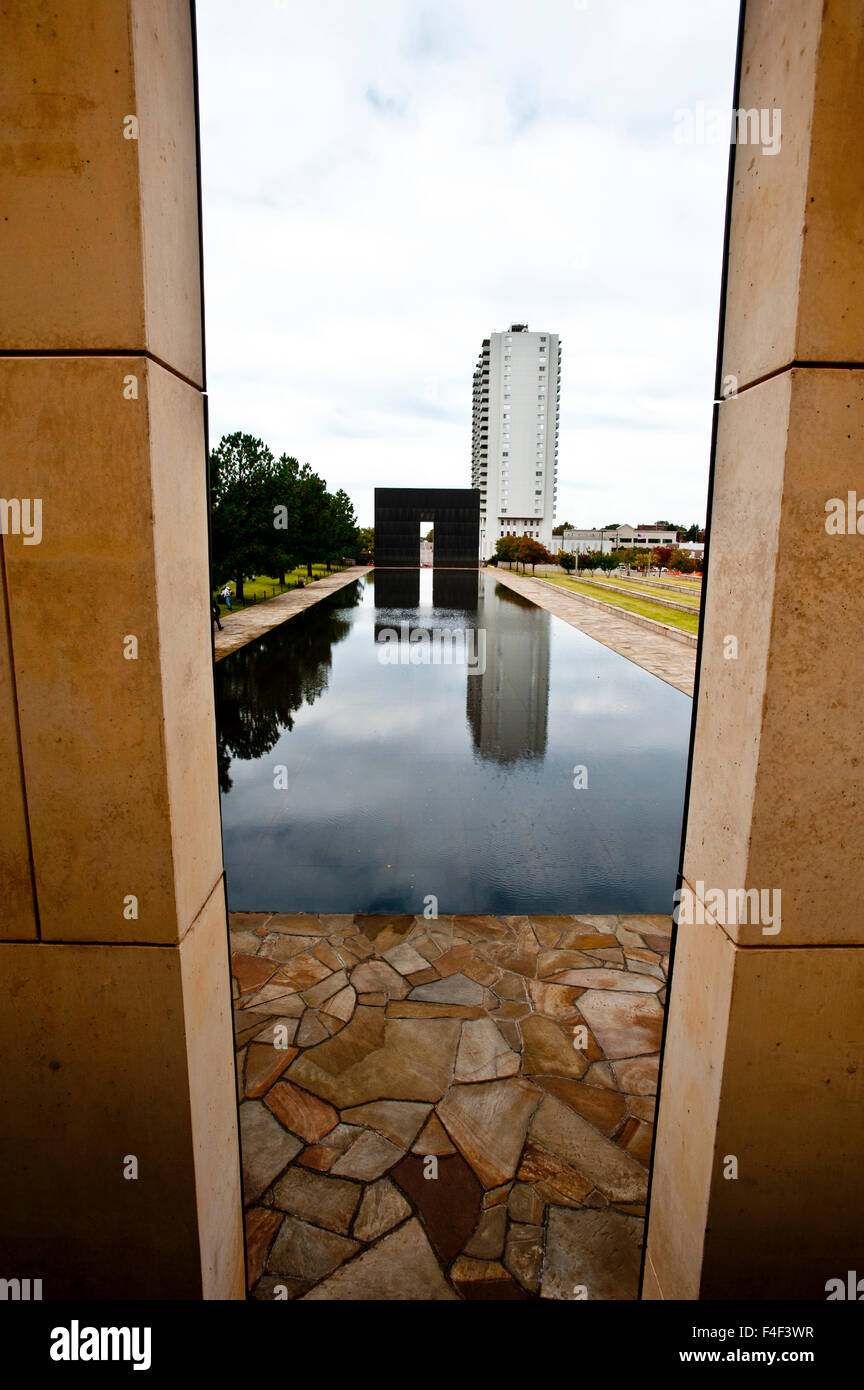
x,y
432,734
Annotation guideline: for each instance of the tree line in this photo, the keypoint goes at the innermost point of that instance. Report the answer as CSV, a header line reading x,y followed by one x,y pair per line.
x,y
524,550
269,515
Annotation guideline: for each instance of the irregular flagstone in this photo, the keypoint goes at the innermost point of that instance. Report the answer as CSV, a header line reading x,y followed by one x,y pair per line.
x,y
580,939
322,1201
281,1029
405,959
661,926
247,1025
422,977
449,1204
552,1173
626,1025
301,1112
434,1139
363,1035
636,1138
279,1286
645,967
245,943
510,986
513,957
586,1043
311,1030
487,1239
451,962
252,972
552,962
510,1033
523,1254
481,928
548,930
413,1062
382,1208
495,1195
512,1008
398,1120
378,1000
368,1158
302,972
598,1250
612,955
638,1075
302,1251
525,1204
483,1054
262,1223
325,953
626,937
488,1122
319,1157
613,1172
384,931
277,999
332,984
456,989
267,1148
373,976
296,923
548,1050
402,1266
485,1279
605,1109
554,999
643,1107
264,1065
341,1006
417,1008
600,1074
282,947
609,979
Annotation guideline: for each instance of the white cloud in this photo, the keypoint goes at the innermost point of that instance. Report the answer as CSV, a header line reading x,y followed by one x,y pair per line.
x,y
387,181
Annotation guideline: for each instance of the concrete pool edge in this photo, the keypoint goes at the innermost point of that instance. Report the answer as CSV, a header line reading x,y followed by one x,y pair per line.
x,y
657,652
242,628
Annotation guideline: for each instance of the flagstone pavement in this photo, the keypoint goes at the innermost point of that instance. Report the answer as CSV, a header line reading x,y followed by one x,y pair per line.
x,y
456,1108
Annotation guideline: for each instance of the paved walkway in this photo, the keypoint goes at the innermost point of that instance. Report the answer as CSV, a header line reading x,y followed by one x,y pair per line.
x,y
653,651
247,624
459,1108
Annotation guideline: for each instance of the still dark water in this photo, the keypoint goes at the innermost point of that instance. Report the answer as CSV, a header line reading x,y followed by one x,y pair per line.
x,y
351,785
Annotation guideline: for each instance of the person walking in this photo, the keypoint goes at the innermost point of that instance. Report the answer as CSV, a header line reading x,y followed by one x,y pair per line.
x,y
226,595
214,609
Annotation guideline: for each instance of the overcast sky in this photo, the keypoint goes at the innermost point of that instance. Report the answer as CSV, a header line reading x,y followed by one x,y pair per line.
x,y
386,182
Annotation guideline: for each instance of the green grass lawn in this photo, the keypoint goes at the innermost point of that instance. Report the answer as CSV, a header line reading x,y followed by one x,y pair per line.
x,y
265,586
686,621
635,586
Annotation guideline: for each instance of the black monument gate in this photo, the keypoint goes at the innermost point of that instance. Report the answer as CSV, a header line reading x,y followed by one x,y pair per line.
x,y
453,511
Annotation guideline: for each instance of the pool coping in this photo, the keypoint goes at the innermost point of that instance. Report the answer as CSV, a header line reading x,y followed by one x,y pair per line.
x,y
241,628
655,648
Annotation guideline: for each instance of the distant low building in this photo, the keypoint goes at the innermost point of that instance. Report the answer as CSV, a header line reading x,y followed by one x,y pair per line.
x,y
618,538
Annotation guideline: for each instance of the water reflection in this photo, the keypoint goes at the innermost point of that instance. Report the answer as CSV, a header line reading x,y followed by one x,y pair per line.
x,y
508,705
414,779
261,687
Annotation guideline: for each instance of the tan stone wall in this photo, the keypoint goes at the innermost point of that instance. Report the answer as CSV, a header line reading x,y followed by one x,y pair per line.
x,y
763,1058
116,1033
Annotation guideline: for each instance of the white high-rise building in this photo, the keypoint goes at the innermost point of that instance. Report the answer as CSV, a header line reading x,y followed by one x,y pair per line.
x,y
514,454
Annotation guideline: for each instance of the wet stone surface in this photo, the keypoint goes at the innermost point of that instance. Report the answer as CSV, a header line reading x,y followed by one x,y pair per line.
x,y
450,1109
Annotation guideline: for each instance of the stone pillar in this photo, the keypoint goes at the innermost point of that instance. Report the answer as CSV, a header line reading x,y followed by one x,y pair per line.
x,y
119,1168
763,1061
